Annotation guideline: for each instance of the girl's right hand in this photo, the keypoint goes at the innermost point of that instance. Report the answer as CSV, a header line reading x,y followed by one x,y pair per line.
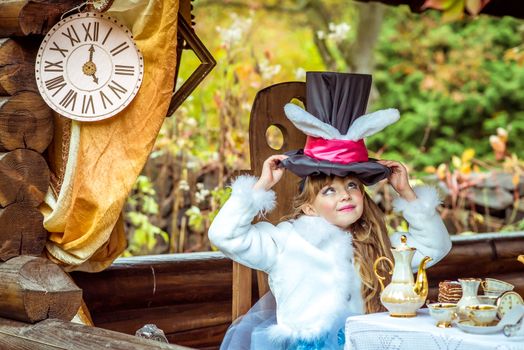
x,y
271,172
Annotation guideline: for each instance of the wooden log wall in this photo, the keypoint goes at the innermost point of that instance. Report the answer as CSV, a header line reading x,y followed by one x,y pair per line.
x,y
189,295
32,288
26,129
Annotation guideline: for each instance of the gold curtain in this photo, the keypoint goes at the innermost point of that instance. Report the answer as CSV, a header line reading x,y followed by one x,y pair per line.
x,y
104,159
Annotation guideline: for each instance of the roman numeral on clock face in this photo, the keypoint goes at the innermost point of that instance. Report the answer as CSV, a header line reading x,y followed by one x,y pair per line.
x,y
69,98
59,49
122,47
87,103
53,66
124,70
71,35
107,35
116,88
104,99
56,83
91,34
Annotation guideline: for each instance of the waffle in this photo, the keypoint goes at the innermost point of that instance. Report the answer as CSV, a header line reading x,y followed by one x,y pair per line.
x,y
449,292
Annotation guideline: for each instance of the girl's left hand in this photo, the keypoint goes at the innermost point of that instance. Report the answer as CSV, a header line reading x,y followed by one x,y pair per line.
x,y
399,179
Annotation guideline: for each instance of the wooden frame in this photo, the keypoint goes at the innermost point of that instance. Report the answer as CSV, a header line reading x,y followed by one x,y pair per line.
x,y
187,39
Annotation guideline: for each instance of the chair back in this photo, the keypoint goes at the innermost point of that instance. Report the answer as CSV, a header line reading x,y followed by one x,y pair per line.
x,y
267,111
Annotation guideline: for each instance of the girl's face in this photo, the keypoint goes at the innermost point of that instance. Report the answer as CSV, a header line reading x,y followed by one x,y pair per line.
x,y
340,202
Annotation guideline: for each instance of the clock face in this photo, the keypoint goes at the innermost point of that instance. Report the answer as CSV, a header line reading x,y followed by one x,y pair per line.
x,y
88,67
507,301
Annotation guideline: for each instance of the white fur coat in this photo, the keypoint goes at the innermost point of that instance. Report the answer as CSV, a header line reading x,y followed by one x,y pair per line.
x,y
310,261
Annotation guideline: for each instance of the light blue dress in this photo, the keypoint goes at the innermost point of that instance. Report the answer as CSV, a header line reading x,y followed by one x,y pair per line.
x,y
250,332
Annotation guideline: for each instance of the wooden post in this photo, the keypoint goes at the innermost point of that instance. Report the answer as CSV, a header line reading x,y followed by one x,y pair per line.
x,y
34,289
241,290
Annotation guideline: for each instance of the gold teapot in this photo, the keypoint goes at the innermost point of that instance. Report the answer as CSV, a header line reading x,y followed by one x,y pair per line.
x,y
403,297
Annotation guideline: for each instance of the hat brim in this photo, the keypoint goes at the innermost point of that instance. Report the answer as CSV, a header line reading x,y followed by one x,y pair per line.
x,y
369,172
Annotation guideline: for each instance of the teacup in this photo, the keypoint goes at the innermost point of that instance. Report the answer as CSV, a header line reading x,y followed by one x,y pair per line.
x,y
492,284
487,299
443,313
494,293
482,314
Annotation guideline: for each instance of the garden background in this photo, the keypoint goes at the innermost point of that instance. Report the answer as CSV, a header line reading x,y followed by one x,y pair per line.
x,y
457,81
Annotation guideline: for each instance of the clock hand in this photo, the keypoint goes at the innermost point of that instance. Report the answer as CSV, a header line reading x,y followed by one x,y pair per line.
x,y
89,68
91,51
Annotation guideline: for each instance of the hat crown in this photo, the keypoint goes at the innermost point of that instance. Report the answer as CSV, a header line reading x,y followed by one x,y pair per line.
x,y
337,99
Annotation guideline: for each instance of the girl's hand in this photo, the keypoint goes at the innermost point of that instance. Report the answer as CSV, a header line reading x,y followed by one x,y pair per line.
x,y
399,179
271,173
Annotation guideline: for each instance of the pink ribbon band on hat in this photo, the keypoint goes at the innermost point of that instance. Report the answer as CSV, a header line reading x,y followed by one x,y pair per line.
x,y
336,151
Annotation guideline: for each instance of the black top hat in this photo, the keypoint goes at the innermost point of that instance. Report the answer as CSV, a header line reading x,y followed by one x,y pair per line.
x,y
335,127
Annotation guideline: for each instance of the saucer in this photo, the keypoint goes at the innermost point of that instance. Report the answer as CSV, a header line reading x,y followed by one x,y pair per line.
x,y
470,327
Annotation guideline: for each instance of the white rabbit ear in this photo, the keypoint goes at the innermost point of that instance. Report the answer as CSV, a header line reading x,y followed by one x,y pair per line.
x,y
309,124
372,123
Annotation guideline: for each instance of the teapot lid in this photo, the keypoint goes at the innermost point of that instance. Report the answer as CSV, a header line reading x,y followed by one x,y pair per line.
x,y
403,244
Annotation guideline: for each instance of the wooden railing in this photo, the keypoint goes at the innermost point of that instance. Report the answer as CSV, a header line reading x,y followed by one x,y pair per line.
x,y
189,295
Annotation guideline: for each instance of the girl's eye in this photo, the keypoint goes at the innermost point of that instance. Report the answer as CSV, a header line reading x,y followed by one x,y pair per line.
x,y
352,185
328,190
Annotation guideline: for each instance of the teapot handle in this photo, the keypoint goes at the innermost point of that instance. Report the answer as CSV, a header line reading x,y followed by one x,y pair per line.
x,y
380,278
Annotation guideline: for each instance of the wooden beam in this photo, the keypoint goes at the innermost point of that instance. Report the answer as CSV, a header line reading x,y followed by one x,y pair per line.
x,y
27,17
34,289
171,319
21,231
25,122
170,279
53,334
17,65
25,177
494,7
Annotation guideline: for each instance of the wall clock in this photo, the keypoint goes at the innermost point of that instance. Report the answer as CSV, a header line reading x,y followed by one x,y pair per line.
x,y
88,67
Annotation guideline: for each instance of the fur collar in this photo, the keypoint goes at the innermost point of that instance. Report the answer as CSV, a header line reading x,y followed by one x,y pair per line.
x,y
320,233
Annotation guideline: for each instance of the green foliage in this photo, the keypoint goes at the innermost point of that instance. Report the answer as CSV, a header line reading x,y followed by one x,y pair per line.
x,y
143,235
451,83
454,84
220,196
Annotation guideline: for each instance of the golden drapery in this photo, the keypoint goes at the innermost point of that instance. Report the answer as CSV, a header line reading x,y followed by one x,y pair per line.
x,y
104,159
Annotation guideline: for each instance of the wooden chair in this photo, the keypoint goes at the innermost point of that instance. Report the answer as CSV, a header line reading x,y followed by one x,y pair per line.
x,y
268,110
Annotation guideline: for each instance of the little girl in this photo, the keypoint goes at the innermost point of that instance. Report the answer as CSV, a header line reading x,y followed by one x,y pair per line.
x,y
320,260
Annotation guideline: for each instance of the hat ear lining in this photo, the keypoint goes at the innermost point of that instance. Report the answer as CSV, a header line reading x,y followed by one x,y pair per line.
x,y
309,124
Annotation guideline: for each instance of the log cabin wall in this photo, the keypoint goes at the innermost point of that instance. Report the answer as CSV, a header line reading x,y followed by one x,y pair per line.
x,y
33,288
189,295
26,130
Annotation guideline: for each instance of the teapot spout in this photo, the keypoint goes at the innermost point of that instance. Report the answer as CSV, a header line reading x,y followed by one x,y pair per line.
x,y
421,287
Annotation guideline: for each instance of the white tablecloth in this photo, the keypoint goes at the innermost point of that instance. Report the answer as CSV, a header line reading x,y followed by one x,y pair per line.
x,y
382,332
